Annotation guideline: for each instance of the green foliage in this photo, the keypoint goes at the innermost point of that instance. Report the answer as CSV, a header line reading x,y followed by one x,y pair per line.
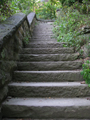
x,y
69,2
81,53
9,7
24,6
47,10
86,72
3,54
27,37
5,10
68,26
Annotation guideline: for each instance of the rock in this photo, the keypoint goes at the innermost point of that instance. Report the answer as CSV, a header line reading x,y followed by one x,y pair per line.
x,y
85,29
3,93
4,78
86,50
0,114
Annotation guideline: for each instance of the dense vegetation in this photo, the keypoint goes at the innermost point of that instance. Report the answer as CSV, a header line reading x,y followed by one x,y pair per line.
x,y
46,10
71,22
9,7
73,27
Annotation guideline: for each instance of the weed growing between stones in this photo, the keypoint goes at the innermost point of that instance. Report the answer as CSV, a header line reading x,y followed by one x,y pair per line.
x,y
3,54
27,38
86,72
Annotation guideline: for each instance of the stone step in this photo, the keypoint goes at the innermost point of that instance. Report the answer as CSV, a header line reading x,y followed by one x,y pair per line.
x,y
43,37
43,119
48,76
43,34
43,30
45,45
67,65
46,108
48,57
43,41
49,89
46,50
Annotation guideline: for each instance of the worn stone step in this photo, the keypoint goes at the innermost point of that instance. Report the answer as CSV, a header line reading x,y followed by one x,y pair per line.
x,y
46,108
43,34
49,89
48,57
44,40
38,35
45,45
43,119
44,31
46,50
66,65
47,76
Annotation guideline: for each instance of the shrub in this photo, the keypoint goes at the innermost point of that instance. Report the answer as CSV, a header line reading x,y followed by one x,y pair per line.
x,y
69,24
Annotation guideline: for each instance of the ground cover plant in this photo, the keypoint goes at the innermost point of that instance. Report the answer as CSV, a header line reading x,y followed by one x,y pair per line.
x,y
73,27
70,23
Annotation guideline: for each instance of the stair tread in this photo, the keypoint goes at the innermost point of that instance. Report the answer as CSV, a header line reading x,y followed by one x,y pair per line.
x,y
75,61
62,102
48,84
47,50
59,71
51,54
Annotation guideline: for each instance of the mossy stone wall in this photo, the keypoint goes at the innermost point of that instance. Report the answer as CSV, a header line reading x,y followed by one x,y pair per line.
x,y
13,32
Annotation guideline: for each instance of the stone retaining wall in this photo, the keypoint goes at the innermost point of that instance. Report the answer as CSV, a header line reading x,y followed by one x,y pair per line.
x,y
15,33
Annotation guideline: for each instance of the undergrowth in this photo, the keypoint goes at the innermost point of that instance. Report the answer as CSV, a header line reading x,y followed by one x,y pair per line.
x,y
86,72
69,24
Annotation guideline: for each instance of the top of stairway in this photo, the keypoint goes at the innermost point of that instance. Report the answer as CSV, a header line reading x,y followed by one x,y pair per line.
x,y
43,32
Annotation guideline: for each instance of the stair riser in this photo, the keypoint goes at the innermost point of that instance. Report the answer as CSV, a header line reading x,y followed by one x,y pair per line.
x,y
45,112
48,57
47,51
42,41
43,35
49,65
47,77
46,91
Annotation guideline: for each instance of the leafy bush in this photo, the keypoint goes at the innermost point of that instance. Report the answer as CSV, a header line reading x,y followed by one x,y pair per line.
x,y
5,10
47,10
68,25
69,2
9,7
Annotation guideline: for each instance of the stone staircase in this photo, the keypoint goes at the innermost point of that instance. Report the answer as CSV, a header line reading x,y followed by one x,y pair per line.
x,y
47,84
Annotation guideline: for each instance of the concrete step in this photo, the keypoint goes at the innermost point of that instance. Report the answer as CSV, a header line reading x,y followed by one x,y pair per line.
x,y
66,65
46,50
48,76
45,45
48,57
46,108
49,89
